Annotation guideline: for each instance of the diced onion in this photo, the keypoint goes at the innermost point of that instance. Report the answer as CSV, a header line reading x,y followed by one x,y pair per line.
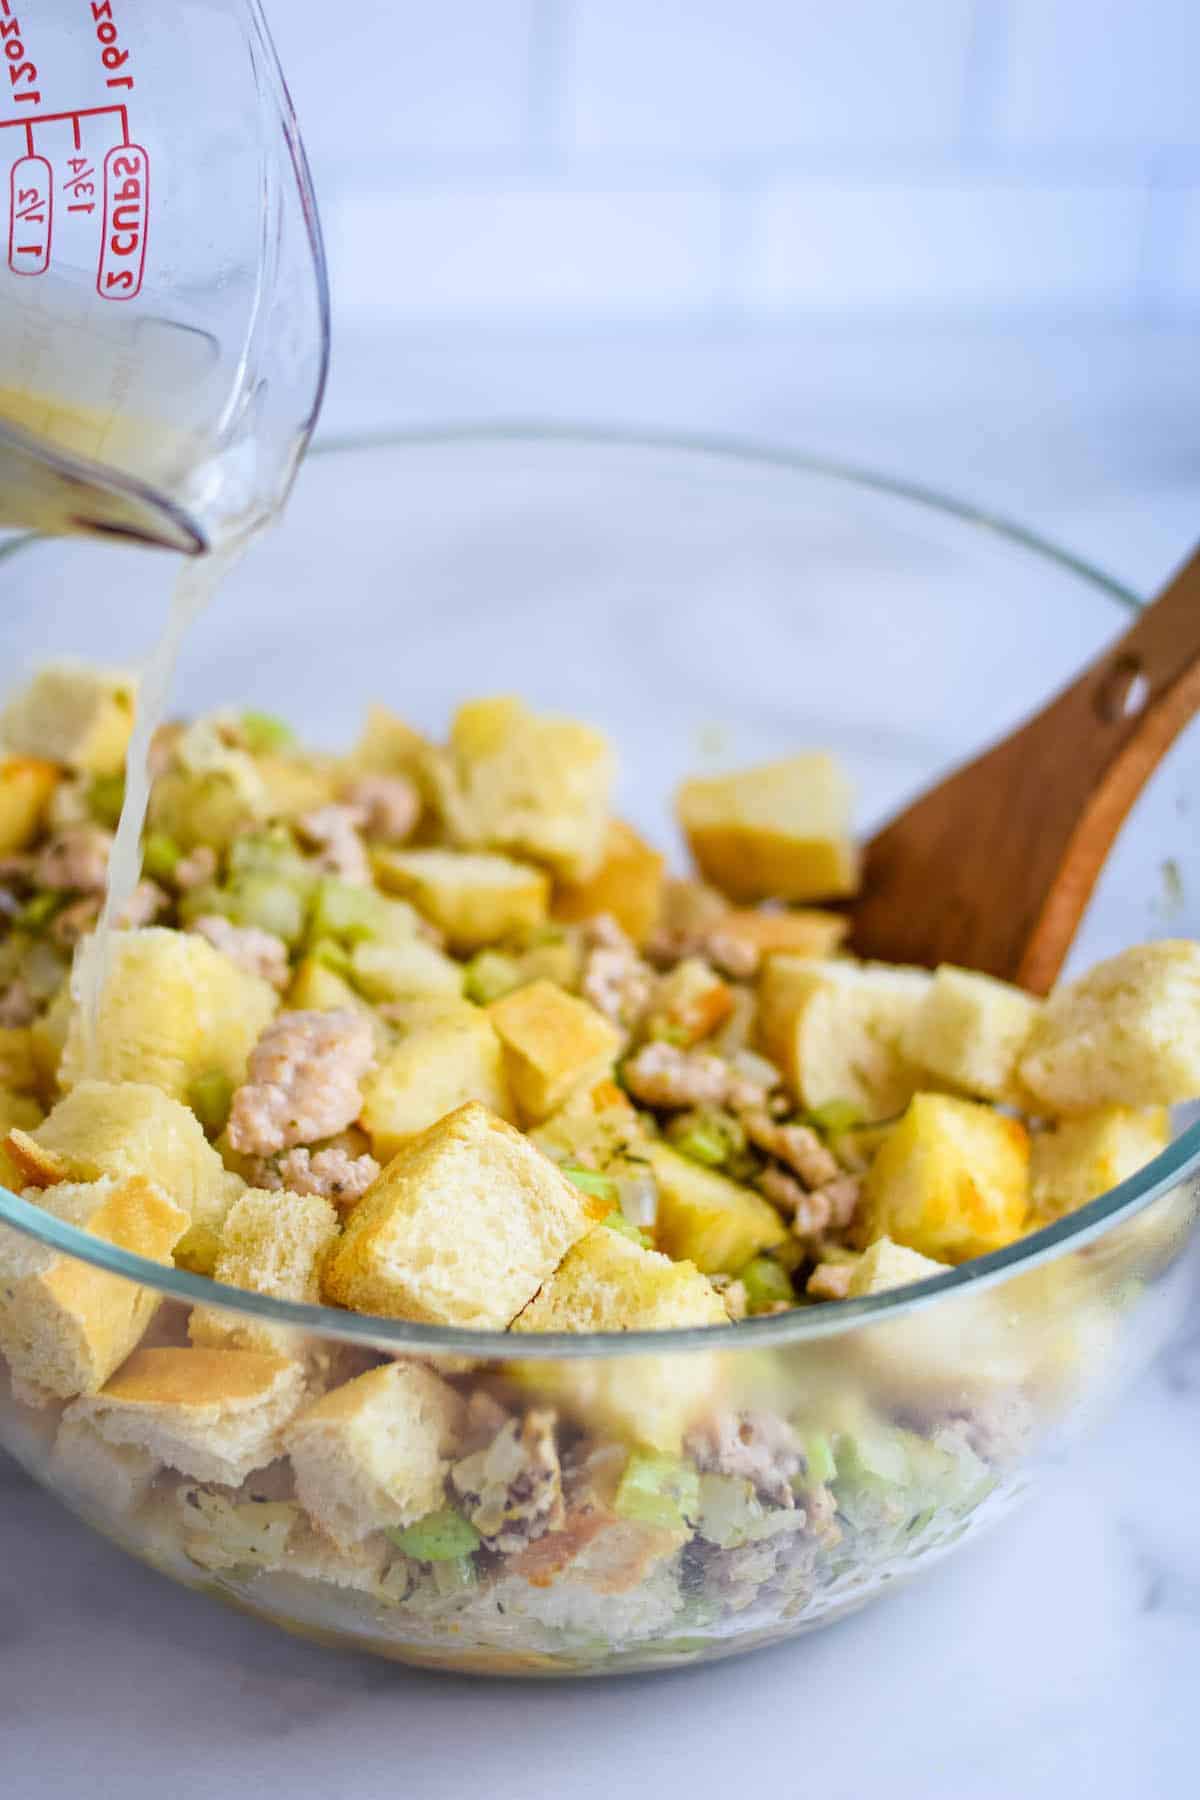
x,y
755,1068
638,1196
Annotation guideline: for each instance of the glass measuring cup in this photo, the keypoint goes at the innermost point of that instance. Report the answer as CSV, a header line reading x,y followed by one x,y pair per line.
x,y
164,313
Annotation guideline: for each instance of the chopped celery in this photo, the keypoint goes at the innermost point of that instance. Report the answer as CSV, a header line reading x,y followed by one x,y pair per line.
x,y
160,856
490,975
356,915
37,913
835,1117
209,1097
106,797
870,1455
660,1490
441,1536
454,1576
767,1284
263,732
616,1221
410,970
271,852
732,1514
590,1181
271,903
819,1460
708,1137
332,955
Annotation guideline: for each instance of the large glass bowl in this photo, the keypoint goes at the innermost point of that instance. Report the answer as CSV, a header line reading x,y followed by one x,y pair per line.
x,y
703,604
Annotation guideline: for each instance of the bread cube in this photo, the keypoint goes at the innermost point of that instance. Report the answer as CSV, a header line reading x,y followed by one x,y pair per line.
x,y
272,1242
779,831
705,1218
374,1453
17,1112
172,1008
64,1325
130,1128
26,784
387,745
951,1180
535,786
73,715
211,792
413,971
837,1030
47,1040
606,1282
885,1265
99,1477
552,1043
603,1575
213,1414
628,885
800,931
446,1056
461,1228
297,782
970,1031
1125,1034
1083,1157
642,1400
475,898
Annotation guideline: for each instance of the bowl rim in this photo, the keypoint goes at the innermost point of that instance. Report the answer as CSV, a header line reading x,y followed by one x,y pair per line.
x,y
1174,1165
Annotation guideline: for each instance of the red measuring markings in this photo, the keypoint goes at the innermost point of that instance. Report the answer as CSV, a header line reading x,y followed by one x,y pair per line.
x,y
31,215
126,214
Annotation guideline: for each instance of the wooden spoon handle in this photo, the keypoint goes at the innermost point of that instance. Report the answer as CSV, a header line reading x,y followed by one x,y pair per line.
x,y
1097,744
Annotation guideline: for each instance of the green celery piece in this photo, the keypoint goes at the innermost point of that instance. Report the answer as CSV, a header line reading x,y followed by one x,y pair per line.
x,y
271,903
490,975
210,1097
439,1537
454,1576
834,1117
819,1459
869,1457
160,856
37,913
271,852
659,1490
106,797
766,1283
355,915
703,1143
590,1181
264,732
333,955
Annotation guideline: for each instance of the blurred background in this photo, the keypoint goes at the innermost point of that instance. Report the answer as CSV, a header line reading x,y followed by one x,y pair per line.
x,y
955,238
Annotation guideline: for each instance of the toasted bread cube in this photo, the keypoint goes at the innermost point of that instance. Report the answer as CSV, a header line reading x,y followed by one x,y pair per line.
x,y
1125,1034
601,1567
596,1127
553,1043
970,1031
837,1030
532,785
606,1282
272,1242
800,931
375,1452
475,898
172,1008
412,971
64,1325
885,1265
461,1228
1083,1157
387,746
645,1400
628,886
130,1128
74,715
26,784
950,1180
19,1072
97,1476
17,1113
780,831
446,1056
213,1414
705,1218
297,782
211,792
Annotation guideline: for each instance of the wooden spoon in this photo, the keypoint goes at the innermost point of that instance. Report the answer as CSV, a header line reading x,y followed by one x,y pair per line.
x,y
992,869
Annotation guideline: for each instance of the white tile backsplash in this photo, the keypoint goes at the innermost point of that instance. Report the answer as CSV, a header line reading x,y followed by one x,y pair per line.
x,y
583,160
761,75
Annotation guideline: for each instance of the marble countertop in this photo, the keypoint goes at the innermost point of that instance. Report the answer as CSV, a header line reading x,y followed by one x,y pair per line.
x,y
1058,1655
